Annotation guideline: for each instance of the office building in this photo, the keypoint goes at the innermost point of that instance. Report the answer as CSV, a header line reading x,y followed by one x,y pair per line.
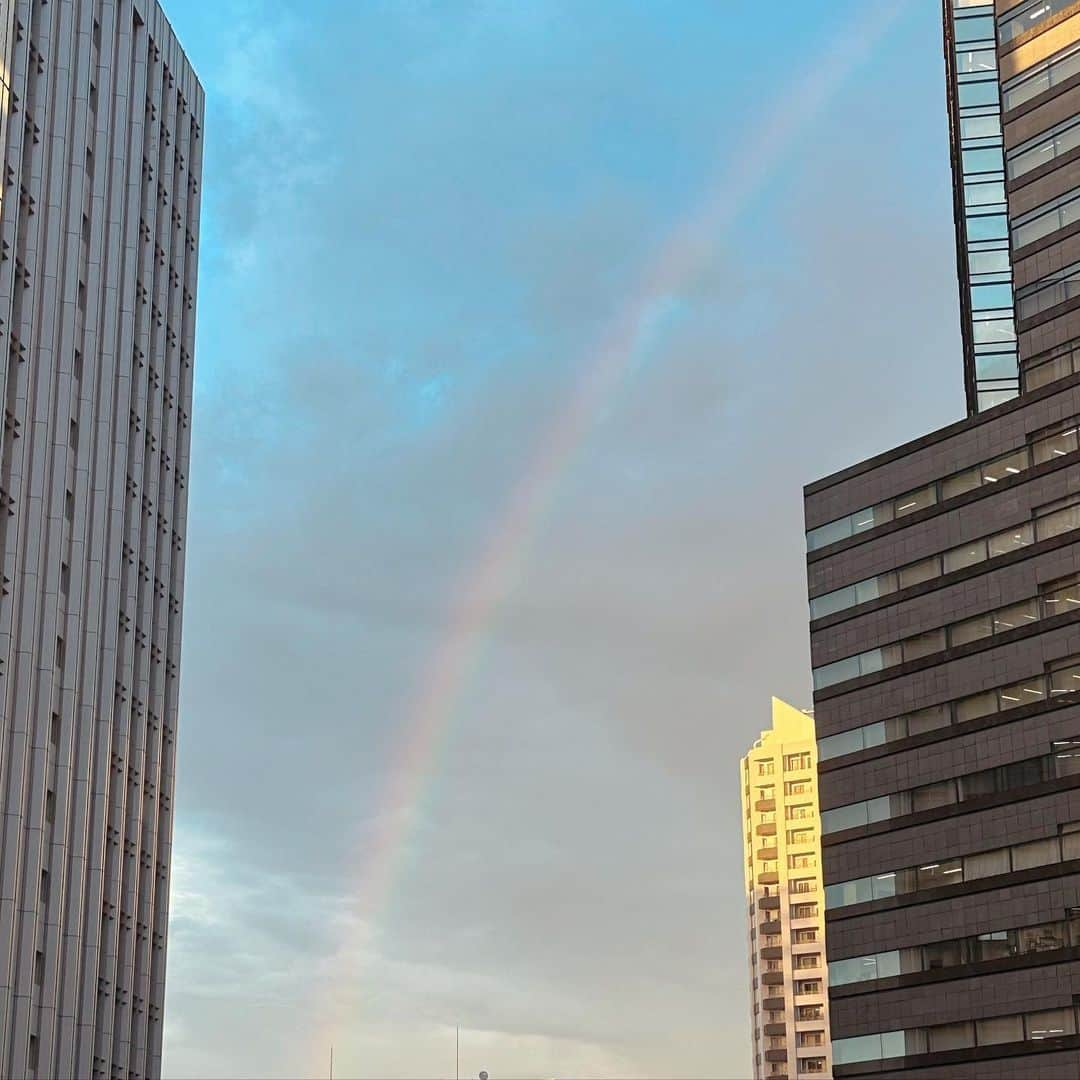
x,y
100,137
1013,75
782,868
945,621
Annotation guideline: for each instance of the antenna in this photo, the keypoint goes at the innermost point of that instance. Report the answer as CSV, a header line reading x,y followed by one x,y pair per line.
x,y
457,1053
331,1063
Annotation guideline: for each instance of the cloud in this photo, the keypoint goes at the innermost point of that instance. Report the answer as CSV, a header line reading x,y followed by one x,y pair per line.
x,y
410,250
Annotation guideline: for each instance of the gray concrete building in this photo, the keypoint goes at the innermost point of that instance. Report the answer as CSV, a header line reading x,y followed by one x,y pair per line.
x,y
101,150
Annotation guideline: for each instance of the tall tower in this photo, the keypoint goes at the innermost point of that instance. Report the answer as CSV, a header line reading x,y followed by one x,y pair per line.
x,y
1014,119
782,867
100,138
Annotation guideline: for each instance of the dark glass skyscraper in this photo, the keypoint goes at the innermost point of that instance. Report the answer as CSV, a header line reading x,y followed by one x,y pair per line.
x,y
944,581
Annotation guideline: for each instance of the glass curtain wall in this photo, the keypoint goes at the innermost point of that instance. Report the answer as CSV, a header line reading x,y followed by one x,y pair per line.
x,y
984,223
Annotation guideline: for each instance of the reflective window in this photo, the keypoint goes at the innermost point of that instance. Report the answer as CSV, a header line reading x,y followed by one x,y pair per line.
x,y
1042,77
983,864
864,968
1044,148
1026,16
1048,218
1049,291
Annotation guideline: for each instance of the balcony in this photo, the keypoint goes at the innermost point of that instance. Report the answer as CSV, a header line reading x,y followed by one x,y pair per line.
x,y
772,978
776,1029
772,952
774,927
766,853
765,806
768,877
773,1004
776,1055
766,828
769,903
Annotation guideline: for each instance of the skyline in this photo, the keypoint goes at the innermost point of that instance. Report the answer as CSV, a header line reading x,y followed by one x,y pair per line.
x,y
438,416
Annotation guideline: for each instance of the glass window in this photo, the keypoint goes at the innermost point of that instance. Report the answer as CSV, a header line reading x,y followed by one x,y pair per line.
x,y
975,28
847,742
1057,445
1036,853
951,1036
990,297
919,572
1062,598
1070,841
1000,1029
864,968
914,648
986,864
1050,1024
981,626
929,719
831,602
961,482
979,783
931,796
943,954
860,1048
1055,520
844,817
970,94
840,671
1065,680
1066,753
968,555
1046,938
1015,615
915,500
1004,467
996,946
1028,15
828,534
843,893
987,227
1046,372
1023,693
1011,540
947,872
988,262
976,705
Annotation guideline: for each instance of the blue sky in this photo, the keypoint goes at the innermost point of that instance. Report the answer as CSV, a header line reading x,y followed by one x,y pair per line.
x,y
418,217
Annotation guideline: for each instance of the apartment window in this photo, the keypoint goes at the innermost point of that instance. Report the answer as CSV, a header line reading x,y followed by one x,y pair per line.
x,y
802,862
809,911
809,1012
801,837
796,762
803,885
1044,148
805,961
805,937
808,986
801,812
798,787
812,1065
765,768
811,1038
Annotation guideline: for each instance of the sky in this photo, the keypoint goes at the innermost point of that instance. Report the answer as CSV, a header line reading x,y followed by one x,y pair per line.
x,y
522,323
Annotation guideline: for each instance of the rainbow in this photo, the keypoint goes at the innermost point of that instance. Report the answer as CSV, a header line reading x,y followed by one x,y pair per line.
x,y
432,708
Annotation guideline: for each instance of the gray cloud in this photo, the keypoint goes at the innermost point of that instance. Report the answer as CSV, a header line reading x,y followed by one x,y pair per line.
x,y
570,894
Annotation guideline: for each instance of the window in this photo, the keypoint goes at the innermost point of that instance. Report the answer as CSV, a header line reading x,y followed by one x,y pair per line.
x,y
864,968
765,768
805,937
1023,18
1054,289
797,787
1044,148
795,762
1050,1024
809,1012
802,862
804,911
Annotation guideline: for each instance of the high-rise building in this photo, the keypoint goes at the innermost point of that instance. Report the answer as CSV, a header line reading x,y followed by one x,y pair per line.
x,y
1013,71
782,867
100,139
945,622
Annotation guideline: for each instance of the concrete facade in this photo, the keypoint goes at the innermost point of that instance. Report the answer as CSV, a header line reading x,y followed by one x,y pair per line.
x,y
101,144
782,870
